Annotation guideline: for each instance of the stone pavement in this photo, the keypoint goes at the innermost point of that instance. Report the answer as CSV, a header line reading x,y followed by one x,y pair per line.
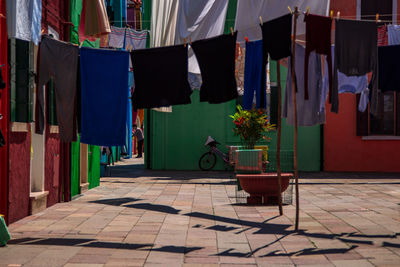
x,y
164,218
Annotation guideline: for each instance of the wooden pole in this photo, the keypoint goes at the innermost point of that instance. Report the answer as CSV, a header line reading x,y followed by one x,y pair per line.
x,y
293,66
278,146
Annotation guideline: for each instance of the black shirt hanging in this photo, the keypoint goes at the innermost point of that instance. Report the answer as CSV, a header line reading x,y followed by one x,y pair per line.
x,y
216,58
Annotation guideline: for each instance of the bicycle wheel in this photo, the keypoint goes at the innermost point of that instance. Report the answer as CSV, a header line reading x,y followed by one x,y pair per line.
x,y
207,161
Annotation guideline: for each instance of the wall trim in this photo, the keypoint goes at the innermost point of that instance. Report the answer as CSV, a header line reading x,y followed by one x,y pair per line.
x,y
381,137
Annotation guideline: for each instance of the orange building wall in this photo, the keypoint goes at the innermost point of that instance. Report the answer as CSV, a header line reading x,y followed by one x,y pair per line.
x,y
343,150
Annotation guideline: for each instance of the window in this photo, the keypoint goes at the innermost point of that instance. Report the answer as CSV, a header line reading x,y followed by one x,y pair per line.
x,y
387,121
369,8
22,80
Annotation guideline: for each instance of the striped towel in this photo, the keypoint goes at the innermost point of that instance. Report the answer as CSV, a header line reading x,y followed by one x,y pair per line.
x,y
116,38
135,39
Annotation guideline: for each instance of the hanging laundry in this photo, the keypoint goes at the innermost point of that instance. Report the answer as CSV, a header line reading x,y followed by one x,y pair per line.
x,y
347,84
198,20
160,77
356,54
382,36
308,111
135,39
164,14
277,47
318,39
389,68
393,34
94,20
216,57
76,7
24,18
58,60
104,96
239,67
116,39
131,17
249,12
79,97
253,75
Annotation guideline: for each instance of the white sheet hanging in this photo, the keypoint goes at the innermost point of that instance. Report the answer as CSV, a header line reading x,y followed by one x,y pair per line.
x,y
198,20
248,13
24,19
163,22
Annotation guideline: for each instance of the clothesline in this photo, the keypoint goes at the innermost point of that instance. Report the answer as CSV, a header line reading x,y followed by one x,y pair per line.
x,y
348,17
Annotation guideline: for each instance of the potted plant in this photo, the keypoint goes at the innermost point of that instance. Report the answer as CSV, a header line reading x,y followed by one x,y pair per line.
x,y
251,126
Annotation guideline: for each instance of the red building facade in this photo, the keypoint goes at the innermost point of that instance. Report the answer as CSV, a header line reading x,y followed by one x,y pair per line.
x,y
377,149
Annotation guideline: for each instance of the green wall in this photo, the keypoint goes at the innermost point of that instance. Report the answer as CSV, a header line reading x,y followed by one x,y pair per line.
x,y
75,168
93,166
177,138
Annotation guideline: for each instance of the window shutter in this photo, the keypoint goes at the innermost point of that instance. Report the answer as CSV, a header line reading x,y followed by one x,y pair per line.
x,y
397,113
361,120
22,88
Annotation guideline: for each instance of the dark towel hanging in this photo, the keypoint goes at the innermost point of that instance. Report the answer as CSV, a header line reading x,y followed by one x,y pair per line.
x,y
216,57
160,77
318,39
277,43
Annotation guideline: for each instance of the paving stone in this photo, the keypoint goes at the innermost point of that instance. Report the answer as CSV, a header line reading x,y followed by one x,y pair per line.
x,y
187,219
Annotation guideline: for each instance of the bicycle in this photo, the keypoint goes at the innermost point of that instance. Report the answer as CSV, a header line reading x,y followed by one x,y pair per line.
x,y
208,160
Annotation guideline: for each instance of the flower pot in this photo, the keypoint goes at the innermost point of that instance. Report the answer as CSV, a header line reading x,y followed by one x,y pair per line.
x,y
248,161
263,188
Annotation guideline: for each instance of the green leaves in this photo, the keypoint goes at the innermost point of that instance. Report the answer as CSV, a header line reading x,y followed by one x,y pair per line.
x,y
251,125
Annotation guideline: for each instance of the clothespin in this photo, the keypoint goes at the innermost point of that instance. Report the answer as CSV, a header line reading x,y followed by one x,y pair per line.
x,y
2,16
247,39
190,41
290,10
377,17
338,15
42,31
232,31
261,20
184,42
80,45
331,15
308,10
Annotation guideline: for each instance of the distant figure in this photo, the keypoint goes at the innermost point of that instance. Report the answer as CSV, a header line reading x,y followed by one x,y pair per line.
x,y
140,139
